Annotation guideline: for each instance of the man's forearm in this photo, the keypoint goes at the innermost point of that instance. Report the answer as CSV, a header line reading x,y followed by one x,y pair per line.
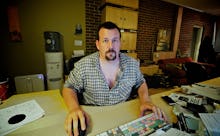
x,y
70,98
143,93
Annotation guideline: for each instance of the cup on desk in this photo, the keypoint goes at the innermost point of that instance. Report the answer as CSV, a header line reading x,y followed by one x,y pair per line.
x,y
3,90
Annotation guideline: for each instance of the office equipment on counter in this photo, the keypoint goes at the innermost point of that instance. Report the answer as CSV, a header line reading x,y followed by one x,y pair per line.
x,y
16,116
102,117
168,100
54,59
212,88
188,98
142,126
54,69
29,83
188,122
209,91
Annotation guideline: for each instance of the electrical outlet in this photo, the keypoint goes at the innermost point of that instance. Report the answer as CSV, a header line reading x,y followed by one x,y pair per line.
x,y
78,42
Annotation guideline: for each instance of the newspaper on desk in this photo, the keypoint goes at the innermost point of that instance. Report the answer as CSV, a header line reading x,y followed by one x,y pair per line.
x,y
15,116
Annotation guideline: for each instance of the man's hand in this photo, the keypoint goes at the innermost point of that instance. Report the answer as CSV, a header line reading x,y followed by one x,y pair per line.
x,y
74,117
149,106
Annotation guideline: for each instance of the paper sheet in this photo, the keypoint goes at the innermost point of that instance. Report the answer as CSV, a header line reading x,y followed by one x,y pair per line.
x,y
211,122
15,116
170,132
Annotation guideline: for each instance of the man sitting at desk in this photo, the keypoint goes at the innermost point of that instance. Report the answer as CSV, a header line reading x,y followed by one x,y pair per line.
x,y
105,77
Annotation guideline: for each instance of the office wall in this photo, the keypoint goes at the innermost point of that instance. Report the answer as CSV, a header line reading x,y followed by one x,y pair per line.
x,y
190,19
37,16
93,20
153,15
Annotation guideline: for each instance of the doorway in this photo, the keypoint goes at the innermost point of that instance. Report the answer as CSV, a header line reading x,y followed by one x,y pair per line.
x,y
196,41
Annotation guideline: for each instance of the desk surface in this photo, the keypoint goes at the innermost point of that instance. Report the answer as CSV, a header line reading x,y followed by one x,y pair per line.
x,y
102,118
55,112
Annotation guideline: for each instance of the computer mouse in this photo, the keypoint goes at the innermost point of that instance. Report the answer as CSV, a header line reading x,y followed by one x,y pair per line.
x,y
81,132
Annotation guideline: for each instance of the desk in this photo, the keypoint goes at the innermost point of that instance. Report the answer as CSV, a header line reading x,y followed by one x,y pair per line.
x,y
52,124
102,118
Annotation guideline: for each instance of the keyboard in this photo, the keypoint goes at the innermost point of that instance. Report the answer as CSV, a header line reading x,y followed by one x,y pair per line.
x,y
140,127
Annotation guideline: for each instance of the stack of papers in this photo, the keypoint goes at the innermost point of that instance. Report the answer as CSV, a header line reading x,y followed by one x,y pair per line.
x,y
16,116
170,132
211,122
209,91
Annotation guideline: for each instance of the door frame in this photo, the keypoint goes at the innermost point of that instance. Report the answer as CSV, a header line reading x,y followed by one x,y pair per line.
x,y
196,41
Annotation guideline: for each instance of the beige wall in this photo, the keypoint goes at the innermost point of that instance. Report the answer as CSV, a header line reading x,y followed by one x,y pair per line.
x,y
37,16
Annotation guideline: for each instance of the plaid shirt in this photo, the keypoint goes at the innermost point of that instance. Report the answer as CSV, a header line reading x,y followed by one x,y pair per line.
x,y
87,78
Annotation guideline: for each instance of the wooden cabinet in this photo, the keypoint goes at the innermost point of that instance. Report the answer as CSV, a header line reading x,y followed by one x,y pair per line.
x,y
125,15
132,54
124,18
128,41
127,3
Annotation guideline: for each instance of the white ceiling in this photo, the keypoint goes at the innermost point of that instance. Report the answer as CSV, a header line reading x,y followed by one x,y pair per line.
x,y
207,6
